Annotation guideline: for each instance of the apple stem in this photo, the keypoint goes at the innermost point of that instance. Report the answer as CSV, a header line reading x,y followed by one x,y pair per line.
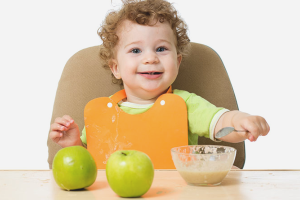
x,y
124,154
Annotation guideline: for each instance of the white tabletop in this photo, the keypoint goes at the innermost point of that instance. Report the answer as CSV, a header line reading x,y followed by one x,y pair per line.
x,y
167,184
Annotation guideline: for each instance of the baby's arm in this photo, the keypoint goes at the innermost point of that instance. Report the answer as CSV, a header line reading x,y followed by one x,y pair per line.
x,y
65,132
255,125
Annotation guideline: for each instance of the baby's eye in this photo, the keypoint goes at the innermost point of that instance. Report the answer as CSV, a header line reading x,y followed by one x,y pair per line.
x,y
161,49
136,51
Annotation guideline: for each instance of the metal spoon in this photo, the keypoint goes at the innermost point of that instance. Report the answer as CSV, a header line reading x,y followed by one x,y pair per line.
x,y
226,130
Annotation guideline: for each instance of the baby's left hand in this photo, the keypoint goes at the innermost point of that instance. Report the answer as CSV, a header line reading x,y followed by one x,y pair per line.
x,y
255,125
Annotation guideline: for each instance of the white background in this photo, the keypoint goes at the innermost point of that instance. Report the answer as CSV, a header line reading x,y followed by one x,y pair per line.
x,y
258,42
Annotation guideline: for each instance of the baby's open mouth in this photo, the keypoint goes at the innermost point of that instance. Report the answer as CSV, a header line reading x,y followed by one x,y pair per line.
x,y
150,73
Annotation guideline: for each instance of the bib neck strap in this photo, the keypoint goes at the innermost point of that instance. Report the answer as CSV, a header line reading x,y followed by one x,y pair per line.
x,y
118,96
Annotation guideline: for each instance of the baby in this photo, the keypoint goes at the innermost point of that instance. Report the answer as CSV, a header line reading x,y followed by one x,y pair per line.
x,y
143,45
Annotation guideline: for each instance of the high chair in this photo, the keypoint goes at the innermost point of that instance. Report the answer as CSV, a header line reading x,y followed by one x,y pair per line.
x,y
84,78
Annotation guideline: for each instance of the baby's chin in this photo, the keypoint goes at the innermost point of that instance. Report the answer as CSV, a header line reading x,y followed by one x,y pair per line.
x,y
156,89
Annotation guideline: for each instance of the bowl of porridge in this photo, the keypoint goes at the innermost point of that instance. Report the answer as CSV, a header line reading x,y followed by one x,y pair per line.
x,y
204,165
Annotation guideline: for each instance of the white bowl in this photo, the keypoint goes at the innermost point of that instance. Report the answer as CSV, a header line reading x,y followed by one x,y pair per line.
x,y
203,165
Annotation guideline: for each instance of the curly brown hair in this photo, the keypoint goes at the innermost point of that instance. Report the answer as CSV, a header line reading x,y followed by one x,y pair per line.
x,y
142,12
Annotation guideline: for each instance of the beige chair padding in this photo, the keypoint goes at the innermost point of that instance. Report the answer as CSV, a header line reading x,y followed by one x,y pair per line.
x,y
84,78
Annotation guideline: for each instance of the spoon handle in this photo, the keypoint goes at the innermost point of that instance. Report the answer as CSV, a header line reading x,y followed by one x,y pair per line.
x,y
226,130
241,131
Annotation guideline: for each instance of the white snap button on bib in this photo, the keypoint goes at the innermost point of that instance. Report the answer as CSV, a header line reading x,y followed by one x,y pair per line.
x,y
162,102
109,105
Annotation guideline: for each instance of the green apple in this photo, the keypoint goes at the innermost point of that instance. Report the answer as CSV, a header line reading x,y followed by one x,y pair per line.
x,y
129,173
74,168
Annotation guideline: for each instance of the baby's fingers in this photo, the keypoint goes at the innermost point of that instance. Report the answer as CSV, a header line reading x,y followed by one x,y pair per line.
x,y
251,138
265,128
68,118
256,126
259,129
55,135
256,131
58,127
64,121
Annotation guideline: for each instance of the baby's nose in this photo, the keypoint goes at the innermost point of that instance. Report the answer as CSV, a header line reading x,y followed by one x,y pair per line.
x,y
150,58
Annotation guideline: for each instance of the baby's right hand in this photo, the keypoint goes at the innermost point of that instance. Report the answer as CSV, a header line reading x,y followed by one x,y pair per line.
x,y
65,132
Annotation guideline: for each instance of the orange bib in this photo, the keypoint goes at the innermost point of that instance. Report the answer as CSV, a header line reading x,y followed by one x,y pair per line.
x,y
154,132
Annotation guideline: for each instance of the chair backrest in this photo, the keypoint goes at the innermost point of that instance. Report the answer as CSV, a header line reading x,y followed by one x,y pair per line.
x,y
84,78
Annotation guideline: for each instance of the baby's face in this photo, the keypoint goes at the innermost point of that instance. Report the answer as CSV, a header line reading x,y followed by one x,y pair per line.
x,y
146,59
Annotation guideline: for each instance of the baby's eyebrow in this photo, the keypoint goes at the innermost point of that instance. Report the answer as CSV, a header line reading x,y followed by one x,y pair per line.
x,y
135,42
163,40
139,42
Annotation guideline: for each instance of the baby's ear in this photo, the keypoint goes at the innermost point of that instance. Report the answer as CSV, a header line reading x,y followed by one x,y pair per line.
x,y
115,69
179,59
